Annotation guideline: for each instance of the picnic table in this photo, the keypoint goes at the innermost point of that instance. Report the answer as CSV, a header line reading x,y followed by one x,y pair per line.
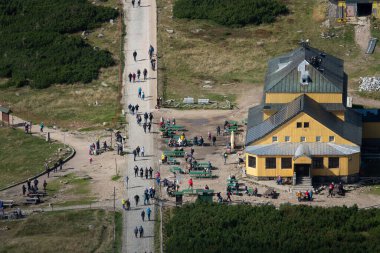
x,y
177,170
172,128
202,165
167,134
200,174
232,122
174,153
8,203
173,161
34,200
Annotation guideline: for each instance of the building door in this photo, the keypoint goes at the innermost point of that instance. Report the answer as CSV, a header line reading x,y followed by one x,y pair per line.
x,y
364,9
302,170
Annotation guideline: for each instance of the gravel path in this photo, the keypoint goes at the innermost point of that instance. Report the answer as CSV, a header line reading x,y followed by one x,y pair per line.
x,y
140,24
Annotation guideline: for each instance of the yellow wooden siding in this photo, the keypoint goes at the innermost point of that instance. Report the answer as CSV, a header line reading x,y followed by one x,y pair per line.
x,y
371,130
347,166
376,9
290,129
289,97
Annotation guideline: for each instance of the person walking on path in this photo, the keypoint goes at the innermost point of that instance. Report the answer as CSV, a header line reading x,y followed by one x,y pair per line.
x,y
225,155
142,151
229,196
138,74
150,117
144,127
146,173
138,3
139,90
128,204
218,131
137,107
213,140
149,126
148,212
126,181
145,73
150,172
138,150
44,185
151,51
136,231
141,230
142,95
190,183
331,190
134,77
130,77
134,154
23,190
141,172
134,55
136,170
137,198
42,127
143,215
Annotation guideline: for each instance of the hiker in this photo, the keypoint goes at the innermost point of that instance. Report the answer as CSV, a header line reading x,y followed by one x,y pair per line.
x,y
138,3
134,53
145,73
141,172
225,155
213,140
150,117
143,215
148,212
209,136
139,90
127,180
146,197
151,51
128,204
331,189
145,116
150,172
146,173
201,141
142,95
136,231
42,127
137,107
144,127
28,183
23,190
44,185
229,196
130,77
35,183
134,77
218,130
134,154
138,150
149,126
123,203
138,74
136,170
190,183
142,151
141,230
153,63
137,198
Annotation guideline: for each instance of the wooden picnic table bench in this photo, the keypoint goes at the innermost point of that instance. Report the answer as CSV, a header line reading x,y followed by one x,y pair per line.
x,y
38,194
173,161
232,122
8,203
174,126
174,153
200,174
168,134
176,170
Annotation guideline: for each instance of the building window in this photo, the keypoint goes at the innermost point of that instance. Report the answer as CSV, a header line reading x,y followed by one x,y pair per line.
x,y
286,163
306,124
251,161
333,162
331,138
303,138
287,138
274,138
318,139
317,162
270,162
299,124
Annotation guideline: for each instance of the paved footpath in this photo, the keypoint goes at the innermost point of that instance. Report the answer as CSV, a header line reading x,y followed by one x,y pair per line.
x,y
141,33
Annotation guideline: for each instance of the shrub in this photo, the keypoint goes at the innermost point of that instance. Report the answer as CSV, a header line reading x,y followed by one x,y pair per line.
x,y
37,46
230,12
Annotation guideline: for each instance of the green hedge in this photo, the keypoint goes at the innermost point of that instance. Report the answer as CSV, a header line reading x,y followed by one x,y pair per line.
x,y
37,45
230,12
220,228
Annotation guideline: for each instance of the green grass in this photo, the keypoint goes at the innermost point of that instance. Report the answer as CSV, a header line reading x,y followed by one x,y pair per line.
x,y
375,189
115,177
73,106
201,50
62,231
23,156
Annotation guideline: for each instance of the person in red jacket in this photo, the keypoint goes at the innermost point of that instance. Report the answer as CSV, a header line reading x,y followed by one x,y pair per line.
x,y
191,183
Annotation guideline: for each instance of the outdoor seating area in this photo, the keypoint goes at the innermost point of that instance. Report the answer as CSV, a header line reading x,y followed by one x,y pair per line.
x,y
174,153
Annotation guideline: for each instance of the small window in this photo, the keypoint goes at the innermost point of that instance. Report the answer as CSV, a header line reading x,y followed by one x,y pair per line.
x,y
317,162
270,162
274,138
331,138
333,162
287,138
303,138
318,139
306,124
299,124
286,163
252,161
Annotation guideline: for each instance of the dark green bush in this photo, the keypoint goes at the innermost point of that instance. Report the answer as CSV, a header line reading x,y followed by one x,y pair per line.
x,y
37,47
230,12
219,228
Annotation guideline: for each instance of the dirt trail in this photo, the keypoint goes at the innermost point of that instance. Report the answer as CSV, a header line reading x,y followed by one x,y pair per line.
x,y
363,32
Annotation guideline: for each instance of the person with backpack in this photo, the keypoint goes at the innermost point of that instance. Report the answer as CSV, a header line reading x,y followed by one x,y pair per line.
x,y
134,53
143,215
148,212
145,73
137,198
136,231
141,230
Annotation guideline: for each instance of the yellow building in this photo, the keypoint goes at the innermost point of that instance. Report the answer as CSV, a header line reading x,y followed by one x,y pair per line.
x,y
302,128
357,8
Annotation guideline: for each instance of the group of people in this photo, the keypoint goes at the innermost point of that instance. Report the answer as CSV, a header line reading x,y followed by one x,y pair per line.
x,y
138,152
148,172
306,196
28,127
140,93
136,76
133,109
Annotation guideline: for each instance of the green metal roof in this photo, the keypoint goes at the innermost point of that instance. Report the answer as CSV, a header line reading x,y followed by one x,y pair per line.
x,y
5,110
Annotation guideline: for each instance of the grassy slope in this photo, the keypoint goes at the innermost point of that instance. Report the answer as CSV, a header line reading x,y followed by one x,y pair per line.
x,y
22,156
73,106
199,50
68,231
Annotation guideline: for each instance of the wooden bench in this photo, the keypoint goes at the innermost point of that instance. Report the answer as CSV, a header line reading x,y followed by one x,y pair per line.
x,y
174,153
232,122
200,174
204,165
203,101
177,170
30,201
8,203
173,161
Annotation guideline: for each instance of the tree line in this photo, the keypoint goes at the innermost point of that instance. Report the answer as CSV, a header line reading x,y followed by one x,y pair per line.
x,y
38,45
230,12
242,228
